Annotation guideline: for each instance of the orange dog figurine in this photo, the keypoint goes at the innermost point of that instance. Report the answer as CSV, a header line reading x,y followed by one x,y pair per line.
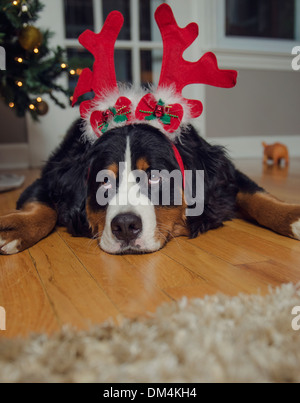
x,y
276,152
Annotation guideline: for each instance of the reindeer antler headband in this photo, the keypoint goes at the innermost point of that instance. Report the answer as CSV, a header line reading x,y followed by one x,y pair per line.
x,y
164,107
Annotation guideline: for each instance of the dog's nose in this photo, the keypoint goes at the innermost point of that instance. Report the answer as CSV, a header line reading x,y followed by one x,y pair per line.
x,y
126,227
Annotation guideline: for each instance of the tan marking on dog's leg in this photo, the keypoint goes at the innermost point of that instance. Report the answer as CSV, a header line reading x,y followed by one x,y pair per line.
x,y
22,229
2,242
272,213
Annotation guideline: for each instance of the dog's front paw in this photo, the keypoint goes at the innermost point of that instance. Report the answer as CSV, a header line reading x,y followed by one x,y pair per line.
x,y
9,247
295,227
292,221
22,229
10,235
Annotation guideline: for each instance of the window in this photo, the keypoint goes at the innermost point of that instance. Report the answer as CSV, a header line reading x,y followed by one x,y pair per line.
x,y
254,34
138,50
261,18
78,17
124,7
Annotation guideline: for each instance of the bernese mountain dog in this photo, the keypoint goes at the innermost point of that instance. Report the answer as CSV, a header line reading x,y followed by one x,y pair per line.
x,y
112,176
66,193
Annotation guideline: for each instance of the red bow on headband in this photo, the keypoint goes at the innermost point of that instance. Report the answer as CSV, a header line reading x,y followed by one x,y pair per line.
x,y
121,112
170,116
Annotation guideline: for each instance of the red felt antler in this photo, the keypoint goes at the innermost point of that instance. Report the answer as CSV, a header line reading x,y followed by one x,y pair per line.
x,y
178,72
103,77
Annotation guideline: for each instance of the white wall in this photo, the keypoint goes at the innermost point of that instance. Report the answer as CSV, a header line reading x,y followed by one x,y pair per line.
x,y
12,128
263,103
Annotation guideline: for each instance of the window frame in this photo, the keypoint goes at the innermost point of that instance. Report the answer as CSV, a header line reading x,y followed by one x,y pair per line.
x,y
252,44
242,52
134,44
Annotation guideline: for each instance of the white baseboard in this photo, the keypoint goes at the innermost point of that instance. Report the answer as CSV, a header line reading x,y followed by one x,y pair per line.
x,y
251,147
14,156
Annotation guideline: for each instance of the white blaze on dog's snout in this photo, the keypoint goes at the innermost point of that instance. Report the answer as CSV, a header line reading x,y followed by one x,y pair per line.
x,y
130,200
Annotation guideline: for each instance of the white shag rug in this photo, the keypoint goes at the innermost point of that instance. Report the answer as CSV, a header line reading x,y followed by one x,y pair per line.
x,y
215,339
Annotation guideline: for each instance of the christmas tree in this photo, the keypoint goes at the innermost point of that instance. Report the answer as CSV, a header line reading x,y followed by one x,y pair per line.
x,y
31,67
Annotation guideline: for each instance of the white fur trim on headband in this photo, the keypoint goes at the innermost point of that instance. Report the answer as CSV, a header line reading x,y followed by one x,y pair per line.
x,y
168,95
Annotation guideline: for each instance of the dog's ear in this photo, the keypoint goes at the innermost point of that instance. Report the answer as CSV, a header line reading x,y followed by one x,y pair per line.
x,y
220,188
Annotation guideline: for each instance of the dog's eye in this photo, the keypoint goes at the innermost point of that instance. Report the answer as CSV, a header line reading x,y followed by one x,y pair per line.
x,y
154,179
107,184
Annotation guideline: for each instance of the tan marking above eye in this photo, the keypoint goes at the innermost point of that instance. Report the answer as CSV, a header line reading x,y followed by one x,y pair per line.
x,y
142,164
113,168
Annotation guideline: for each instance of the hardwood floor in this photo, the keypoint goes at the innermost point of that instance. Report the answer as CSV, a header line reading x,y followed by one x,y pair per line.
x,y
65,280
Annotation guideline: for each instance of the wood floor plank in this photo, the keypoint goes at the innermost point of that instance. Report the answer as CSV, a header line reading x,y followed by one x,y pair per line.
x,y
130,291
212,243
196,290
264,234
265,247
28,309
275,272
219,274
76,298
163,271
8,200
